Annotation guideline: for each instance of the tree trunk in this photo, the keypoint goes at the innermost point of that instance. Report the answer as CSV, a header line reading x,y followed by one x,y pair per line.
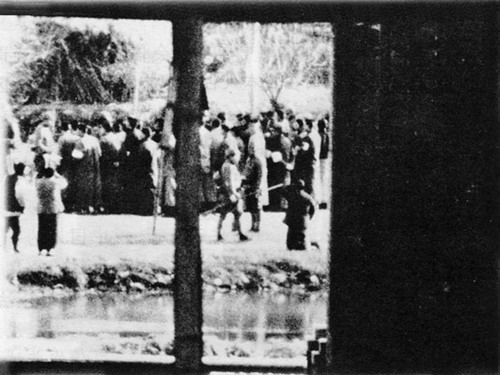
x,y
187,42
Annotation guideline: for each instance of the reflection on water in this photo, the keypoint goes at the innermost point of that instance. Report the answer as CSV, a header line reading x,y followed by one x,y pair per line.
x,y
246,316
228,316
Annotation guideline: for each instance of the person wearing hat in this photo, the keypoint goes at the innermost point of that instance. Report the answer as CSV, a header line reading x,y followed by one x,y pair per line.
x,y
230,192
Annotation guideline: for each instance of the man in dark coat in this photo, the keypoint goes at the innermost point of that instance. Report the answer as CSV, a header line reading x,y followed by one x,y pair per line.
x,y
301,208
303,150
15,204
67,142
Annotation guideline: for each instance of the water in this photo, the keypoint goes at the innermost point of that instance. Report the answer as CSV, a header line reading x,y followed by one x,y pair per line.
x,y
234,317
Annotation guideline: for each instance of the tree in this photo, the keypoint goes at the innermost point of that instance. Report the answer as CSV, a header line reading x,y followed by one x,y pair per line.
x,y
291,55
61,63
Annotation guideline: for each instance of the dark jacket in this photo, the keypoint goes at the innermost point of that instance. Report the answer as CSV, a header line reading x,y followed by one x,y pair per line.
x,y
13,204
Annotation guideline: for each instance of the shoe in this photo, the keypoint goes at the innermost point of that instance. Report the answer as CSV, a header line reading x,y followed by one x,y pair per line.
x,y
255,229
243,237
220,238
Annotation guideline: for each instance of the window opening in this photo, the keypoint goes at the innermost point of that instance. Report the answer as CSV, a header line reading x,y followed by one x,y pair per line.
x,y
263,302
105,291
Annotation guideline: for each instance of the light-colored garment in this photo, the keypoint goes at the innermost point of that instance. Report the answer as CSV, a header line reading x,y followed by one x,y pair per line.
x,y
257,147
316,139
44,140
231,178
153,147
205,141
88,173
49,194
167,180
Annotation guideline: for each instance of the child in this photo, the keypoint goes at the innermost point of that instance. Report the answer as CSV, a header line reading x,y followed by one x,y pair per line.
x,y
301,207
48,188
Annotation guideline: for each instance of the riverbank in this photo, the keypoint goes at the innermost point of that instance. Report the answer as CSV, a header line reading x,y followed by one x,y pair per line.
x,y
119,253
279,275
106,290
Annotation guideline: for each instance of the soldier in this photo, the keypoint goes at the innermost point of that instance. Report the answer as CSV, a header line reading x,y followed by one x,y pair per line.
x,y
253,180
230,193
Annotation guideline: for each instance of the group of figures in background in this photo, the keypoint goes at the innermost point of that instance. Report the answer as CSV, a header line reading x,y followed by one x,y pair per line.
x,y
117,164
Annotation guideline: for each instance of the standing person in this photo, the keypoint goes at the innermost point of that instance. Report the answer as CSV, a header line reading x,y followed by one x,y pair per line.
x,y
48,188
87,153
283,122
67,168
231,199
301,207
316,140
45,145
145,176
304,153
220,143
208,193
167,183
110,170
323,161
15,203
253,180
257,146
279,147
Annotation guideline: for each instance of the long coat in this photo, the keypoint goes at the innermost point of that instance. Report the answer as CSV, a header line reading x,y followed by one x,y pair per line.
x,y
301,207
110,174
88,173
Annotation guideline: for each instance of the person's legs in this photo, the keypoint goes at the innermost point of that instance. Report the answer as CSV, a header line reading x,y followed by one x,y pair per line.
x,y
51,232
256,221
237,215
16,231
219,225
42,230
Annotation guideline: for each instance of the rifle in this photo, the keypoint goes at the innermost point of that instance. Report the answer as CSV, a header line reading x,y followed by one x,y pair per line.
x,y
220,205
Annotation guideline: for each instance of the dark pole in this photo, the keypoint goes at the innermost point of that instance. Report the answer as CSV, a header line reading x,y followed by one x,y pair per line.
x,y
188,341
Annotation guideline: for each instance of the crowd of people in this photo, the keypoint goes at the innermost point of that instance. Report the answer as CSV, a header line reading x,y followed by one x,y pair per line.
x,y
116,164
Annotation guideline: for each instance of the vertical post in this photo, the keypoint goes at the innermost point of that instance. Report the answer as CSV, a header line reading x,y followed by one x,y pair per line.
x,y
354,158
254,68
187,61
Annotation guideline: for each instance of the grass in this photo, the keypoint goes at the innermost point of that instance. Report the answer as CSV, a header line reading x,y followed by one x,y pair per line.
x,y
121,242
